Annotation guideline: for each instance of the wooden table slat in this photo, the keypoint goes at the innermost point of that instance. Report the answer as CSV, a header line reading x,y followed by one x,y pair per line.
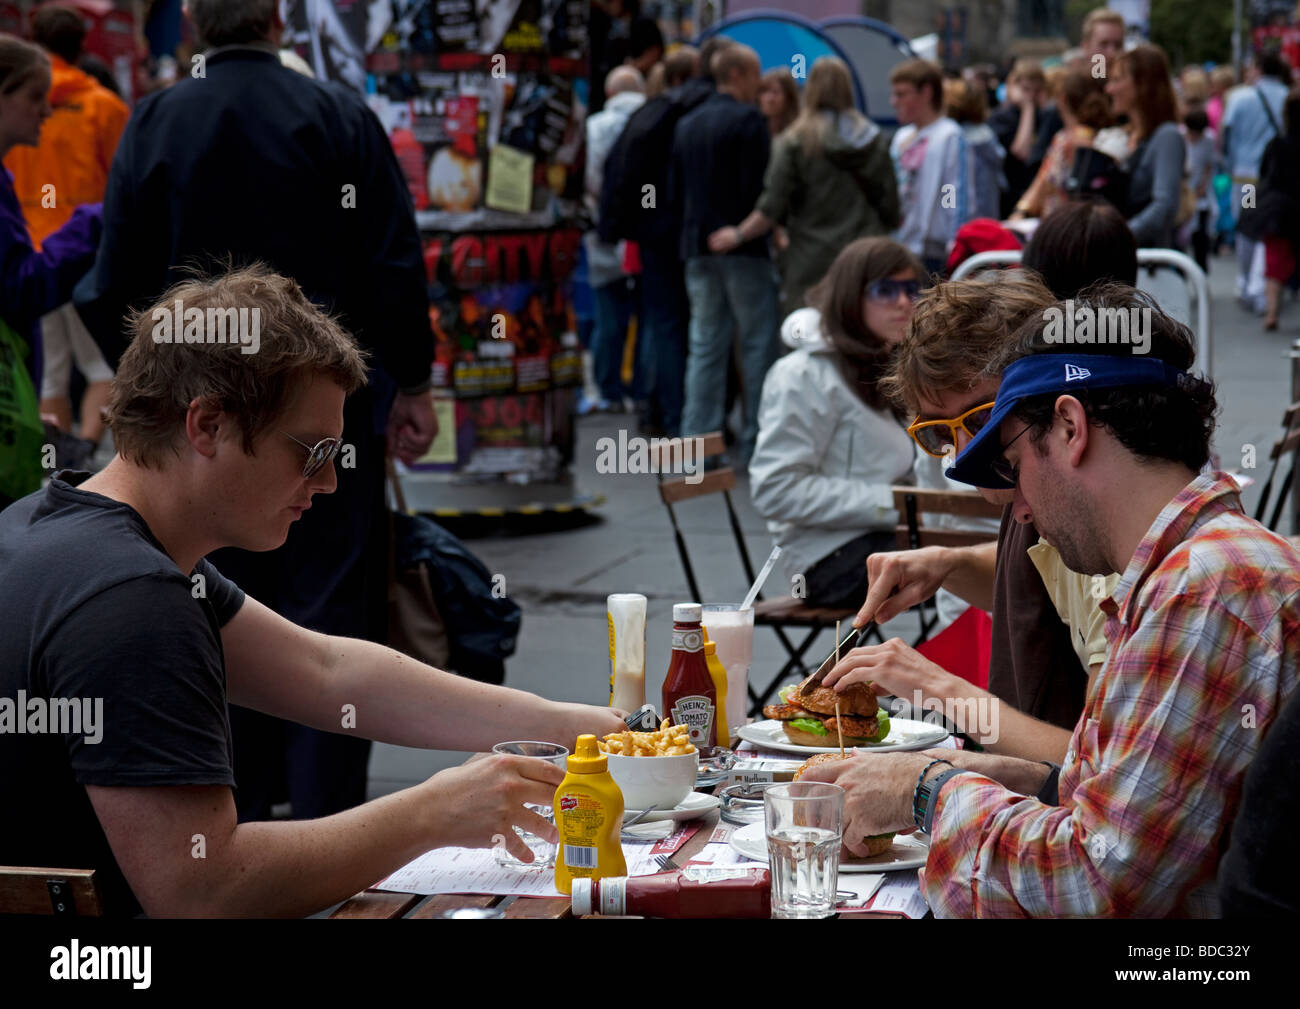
x,y
539,907
446,901
377,904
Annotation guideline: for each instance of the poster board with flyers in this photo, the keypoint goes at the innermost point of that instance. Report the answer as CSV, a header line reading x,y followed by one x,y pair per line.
x,y
454,80
485,104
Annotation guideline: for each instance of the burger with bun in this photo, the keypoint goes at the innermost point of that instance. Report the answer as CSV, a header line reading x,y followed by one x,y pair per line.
x,y
876,844
809,718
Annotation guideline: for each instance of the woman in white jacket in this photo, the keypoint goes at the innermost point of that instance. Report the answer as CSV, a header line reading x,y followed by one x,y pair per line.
x,y
829,445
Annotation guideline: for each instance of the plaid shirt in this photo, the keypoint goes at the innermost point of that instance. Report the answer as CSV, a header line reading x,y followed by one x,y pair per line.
x,y
1203,652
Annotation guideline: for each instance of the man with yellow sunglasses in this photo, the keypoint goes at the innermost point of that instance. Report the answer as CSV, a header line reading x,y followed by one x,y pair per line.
x,y
938,437
1047,628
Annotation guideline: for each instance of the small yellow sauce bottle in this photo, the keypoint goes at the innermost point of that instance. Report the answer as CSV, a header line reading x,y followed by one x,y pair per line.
x,y
719,675
589,817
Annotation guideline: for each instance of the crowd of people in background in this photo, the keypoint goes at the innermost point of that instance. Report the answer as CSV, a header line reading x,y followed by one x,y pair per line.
x,y
759,249
973,165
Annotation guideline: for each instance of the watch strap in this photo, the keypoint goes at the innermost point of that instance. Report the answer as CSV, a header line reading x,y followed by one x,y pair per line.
x,y
918,809
930,795
1050,792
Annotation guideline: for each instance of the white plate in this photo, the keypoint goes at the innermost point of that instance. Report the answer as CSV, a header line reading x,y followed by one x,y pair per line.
x,y
909,851
904,734
695,804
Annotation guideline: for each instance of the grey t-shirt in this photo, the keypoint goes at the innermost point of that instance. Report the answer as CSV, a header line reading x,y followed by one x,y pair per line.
x,y
111,673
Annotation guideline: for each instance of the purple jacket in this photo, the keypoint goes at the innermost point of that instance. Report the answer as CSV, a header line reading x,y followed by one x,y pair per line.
x,y
33,283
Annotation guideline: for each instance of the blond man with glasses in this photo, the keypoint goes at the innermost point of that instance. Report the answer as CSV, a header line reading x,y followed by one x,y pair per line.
x,y
110,600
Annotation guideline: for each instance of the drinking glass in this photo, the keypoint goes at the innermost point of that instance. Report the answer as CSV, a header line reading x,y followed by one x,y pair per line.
x,y
731,629
542,849
805,826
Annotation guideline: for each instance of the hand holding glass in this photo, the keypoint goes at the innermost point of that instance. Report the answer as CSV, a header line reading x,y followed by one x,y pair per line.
x,y
542,849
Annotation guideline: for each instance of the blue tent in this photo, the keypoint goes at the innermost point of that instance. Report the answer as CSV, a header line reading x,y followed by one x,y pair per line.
x,y
873,49
779,37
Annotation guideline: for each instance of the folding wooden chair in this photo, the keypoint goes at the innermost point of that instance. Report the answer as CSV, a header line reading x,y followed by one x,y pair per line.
x,y
1289,442
778,614
58,892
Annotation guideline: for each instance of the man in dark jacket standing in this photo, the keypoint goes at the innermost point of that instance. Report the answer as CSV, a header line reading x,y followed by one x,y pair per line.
x,y
247,161
720,152
634,206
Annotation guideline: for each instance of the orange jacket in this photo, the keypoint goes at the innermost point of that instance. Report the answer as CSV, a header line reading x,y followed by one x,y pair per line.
x,y
76,150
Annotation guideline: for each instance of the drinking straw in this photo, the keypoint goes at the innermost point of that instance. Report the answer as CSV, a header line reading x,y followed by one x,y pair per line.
x,y
762,577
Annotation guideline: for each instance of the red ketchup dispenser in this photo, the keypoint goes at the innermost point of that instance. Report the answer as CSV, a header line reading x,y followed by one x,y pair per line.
x,y
690,697
698,891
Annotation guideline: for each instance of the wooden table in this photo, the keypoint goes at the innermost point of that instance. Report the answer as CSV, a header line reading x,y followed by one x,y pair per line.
x,y
380,904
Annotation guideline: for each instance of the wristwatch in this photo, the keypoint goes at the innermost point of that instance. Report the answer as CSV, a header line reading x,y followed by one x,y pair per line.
x,y
927,791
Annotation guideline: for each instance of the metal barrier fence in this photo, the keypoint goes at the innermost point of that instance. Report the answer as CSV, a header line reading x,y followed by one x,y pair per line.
x,y
1148,259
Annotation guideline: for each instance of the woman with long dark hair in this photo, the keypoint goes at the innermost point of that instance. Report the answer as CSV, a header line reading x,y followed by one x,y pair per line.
x,y
778,99
1140,88
830,445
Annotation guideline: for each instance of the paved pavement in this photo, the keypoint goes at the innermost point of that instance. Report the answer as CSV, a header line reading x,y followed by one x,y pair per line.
x,y
561,579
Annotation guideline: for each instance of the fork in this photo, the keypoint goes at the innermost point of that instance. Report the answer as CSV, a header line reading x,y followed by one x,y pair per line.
x,y
666,863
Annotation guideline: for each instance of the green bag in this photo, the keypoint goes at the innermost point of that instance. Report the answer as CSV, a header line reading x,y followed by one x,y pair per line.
x,y
21,432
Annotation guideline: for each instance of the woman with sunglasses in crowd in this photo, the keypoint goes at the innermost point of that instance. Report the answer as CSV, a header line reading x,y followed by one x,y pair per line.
x,y
830,446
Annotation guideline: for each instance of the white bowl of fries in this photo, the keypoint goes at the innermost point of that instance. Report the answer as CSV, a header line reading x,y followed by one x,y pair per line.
x,y
654,770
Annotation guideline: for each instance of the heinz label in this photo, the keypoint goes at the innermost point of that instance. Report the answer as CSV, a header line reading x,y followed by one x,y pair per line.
x,y
688,641
696,712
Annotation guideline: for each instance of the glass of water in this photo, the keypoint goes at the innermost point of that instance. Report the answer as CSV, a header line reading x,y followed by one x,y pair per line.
x,y
805,826
542,849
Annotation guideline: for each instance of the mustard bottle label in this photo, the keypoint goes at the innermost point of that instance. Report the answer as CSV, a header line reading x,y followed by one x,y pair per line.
x,y
581,825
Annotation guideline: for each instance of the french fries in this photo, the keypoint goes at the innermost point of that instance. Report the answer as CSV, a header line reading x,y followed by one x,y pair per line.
x,y
667,741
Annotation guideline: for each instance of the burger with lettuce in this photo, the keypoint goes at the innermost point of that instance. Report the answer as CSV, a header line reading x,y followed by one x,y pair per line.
x,y
809,718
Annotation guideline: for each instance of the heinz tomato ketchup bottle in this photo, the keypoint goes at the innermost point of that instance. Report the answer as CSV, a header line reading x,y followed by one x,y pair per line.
x,y
690,696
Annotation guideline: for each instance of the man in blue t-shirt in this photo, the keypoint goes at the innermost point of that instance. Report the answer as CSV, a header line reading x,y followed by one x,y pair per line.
x,y
123,645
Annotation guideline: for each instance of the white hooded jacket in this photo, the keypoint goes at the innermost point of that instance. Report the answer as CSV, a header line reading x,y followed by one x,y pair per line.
x,y
824,461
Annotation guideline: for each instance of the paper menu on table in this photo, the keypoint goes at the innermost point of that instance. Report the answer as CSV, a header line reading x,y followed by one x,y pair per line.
x,y
475,870
862,885
468,870
900,894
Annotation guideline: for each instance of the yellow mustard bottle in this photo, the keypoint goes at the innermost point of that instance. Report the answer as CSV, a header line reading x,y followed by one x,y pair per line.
x,y
719,676
589,818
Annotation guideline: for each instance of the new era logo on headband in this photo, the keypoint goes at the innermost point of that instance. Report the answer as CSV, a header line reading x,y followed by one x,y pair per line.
x,y
1073,373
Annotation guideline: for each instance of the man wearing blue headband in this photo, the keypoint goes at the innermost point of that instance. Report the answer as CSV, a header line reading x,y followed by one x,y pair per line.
x,y
1106,452
1047,638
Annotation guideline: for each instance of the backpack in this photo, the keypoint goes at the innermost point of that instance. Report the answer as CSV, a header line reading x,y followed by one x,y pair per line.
x,y
1094,174
482,628
641,156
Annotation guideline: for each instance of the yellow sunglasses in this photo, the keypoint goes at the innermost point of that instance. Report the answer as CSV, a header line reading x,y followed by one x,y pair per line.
x,y
935,436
